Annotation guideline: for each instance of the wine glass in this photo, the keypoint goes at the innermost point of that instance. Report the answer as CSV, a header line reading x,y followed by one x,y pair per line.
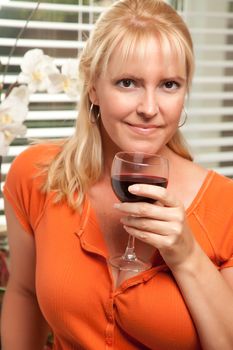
x,y
130,168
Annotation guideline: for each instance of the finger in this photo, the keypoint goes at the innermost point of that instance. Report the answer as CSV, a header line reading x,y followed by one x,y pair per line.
x,y
155,192
163,228
156,240
153,211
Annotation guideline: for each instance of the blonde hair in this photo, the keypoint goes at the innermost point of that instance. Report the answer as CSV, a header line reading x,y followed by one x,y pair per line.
x,y
127,23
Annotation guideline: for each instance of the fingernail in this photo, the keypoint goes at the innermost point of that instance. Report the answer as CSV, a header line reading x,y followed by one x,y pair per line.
x,y
134,188
116,205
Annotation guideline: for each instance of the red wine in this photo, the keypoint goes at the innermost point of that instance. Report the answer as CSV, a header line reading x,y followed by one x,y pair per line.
x,y
120,184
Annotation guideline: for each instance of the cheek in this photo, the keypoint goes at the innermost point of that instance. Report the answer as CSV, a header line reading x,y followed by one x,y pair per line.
x,y
114,108
110,114
172,109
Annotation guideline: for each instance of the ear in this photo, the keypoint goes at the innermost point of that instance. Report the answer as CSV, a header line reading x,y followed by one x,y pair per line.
x,y
93,95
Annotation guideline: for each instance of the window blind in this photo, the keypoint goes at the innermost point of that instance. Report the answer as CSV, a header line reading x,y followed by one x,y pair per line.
x,y
209,129
60,28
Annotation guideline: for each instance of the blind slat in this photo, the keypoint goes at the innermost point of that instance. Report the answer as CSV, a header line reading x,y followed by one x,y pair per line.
x,y
13,23
214,141
210,127
49,132
39,43
207,14
217,48
214,79
211,31
52,6
214,157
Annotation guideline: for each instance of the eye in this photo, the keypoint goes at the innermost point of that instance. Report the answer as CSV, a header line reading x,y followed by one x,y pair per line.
x,y
126,83
171,85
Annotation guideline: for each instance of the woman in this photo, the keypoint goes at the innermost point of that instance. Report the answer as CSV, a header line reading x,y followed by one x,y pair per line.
x,y
64,221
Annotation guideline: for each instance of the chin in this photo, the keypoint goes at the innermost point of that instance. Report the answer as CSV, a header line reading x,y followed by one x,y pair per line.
x,y
144,148
139,150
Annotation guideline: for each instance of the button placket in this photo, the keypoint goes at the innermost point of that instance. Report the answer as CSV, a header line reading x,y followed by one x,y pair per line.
x,y
109,333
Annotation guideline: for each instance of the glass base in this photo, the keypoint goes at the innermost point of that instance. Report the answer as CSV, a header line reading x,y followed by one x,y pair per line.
x,y
123,264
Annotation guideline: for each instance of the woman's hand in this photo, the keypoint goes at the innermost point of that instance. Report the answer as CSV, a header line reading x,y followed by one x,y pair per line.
x,y
162,224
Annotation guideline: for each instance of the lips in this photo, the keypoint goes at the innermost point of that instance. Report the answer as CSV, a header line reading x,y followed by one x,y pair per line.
x,y
142,129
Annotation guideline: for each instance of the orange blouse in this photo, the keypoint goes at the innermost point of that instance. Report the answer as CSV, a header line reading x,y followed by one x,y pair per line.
x,y
74,284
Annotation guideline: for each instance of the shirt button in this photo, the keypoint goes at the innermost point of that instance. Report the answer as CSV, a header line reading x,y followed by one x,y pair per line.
x,y
110,318
109,341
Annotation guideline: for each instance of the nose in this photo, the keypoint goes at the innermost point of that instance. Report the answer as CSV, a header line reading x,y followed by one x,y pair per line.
x,y
148,106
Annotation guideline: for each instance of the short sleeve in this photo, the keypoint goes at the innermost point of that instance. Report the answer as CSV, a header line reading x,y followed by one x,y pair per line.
x,y
215,213
226,244
226,248
23,185
223,222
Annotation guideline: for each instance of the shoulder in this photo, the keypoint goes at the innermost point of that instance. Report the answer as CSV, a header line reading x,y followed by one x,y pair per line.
x,y
27,167
26,170
24,182
214,212
32,157
218,198
219,189
215,196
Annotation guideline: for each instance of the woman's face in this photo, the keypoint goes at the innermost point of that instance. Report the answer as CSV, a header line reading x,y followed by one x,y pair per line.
x,y
141,100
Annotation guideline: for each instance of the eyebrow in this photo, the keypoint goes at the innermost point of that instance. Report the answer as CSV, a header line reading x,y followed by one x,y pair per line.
x,y
123,75
180,78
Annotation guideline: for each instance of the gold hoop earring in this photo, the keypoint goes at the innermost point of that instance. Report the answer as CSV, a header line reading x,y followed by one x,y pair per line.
x,y
92,117
185,118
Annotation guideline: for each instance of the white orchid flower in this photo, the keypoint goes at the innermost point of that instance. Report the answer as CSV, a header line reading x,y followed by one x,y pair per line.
x,y
9,134
35,70
20,93
38,73
3,146
13,112
66,80
15,107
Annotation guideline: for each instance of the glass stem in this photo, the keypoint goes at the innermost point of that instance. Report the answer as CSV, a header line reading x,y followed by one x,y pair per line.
x,y
130,250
